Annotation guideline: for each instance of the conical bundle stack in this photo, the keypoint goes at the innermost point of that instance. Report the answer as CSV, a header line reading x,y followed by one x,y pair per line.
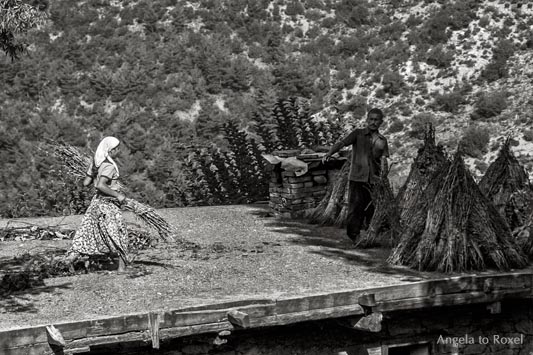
x,y
428,162
507,185
456,228
384,227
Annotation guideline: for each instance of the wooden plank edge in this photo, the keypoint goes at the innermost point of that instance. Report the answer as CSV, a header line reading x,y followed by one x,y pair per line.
x,y
288,306
455,299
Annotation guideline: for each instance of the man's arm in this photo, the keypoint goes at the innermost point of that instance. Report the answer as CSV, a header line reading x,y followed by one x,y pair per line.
x,y
349,139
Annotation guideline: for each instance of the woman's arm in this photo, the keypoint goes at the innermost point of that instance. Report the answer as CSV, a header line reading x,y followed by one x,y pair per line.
x,y
89,175
87,181
101,185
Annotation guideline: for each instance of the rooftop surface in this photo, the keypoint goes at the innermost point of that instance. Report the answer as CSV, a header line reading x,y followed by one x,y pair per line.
x,y
244,253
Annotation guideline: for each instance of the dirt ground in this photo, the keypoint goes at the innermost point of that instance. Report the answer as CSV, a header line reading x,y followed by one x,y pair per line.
x,y
243,253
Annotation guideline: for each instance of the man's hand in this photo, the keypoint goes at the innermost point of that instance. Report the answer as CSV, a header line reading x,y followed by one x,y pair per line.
x,y
325,158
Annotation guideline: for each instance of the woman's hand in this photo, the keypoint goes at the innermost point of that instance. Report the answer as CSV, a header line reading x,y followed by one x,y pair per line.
x,y
121,198
87,181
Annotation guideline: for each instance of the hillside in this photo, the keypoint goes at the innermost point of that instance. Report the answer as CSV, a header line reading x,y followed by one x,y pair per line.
x,y
165,76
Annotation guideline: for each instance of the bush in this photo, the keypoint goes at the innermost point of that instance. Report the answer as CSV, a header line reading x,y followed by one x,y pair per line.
x,y
418,124
439,57
497,68
528,135
490,105
449,102
475,141
484,21
392,82
396,126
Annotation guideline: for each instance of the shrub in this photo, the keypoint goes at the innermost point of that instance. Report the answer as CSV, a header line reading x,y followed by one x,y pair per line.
x,y
329,22
356,105
484,21
418,124
439,57
528,135
490,105
449,102
396,126
392,82
497,68
475,141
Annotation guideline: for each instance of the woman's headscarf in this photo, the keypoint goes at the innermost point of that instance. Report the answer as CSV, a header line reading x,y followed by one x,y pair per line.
x,y
102,152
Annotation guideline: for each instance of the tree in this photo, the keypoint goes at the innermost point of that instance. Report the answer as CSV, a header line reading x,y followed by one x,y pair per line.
x,y
16,18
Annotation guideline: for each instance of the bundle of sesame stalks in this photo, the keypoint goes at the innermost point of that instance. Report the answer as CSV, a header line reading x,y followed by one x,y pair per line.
x,y
149,216
78,163
75,161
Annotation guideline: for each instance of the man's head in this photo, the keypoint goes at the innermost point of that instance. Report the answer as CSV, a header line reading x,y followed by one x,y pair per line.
x,y
374,119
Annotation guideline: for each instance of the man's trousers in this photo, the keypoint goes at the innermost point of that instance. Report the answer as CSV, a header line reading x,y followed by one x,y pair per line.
x,y
360,208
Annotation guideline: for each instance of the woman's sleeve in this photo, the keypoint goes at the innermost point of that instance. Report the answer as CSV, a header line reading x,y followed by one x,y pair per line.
x,y
107,170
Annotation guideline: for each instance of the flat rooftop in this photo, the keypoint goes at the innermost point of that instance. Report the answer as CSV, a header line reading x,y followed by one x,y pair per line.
x,y
243,254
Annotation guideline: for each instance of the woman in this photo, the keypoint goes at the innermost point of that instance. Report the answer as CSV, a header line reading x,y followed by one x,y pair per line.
x,y
102,229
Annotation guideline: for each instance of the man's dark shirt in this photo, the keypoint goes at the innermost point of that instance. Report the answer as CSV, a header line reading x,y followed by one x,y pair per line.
x,y
366,154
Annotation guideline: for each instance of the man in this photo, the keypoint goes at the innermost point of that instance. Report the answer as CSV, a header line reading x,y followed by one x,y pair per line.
x,y
369,152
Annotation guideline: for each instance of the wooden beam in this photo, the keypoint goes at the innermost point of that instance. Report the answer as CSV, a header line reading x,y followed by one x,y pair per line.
x,y
154,319
315,314
239,319
449,300
85,349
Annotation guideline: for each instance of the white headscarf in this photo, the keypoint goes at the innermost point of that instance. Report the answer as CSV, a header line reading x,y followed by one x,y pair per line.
x,y
102,152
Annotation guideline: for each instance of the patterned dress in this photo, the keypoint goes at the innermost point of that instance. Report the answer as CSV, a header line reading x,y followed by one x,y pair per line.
x,y
102,229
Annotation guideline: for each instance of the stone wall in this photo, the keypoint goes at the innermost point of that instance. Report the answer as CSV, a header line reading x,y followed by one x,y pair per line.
x,y
292,195
403,332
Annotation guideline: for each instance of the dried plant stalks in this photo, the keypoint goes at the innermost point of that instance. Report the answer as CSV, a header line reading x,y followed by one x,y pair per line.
x,y
428,162
149,216
330,206
455,228
77,164
342,218
384,226
507,185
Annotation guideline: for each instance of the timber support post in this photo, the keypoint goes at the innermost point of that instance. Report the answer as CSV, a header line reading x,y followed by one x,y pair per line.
x,y
154,320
